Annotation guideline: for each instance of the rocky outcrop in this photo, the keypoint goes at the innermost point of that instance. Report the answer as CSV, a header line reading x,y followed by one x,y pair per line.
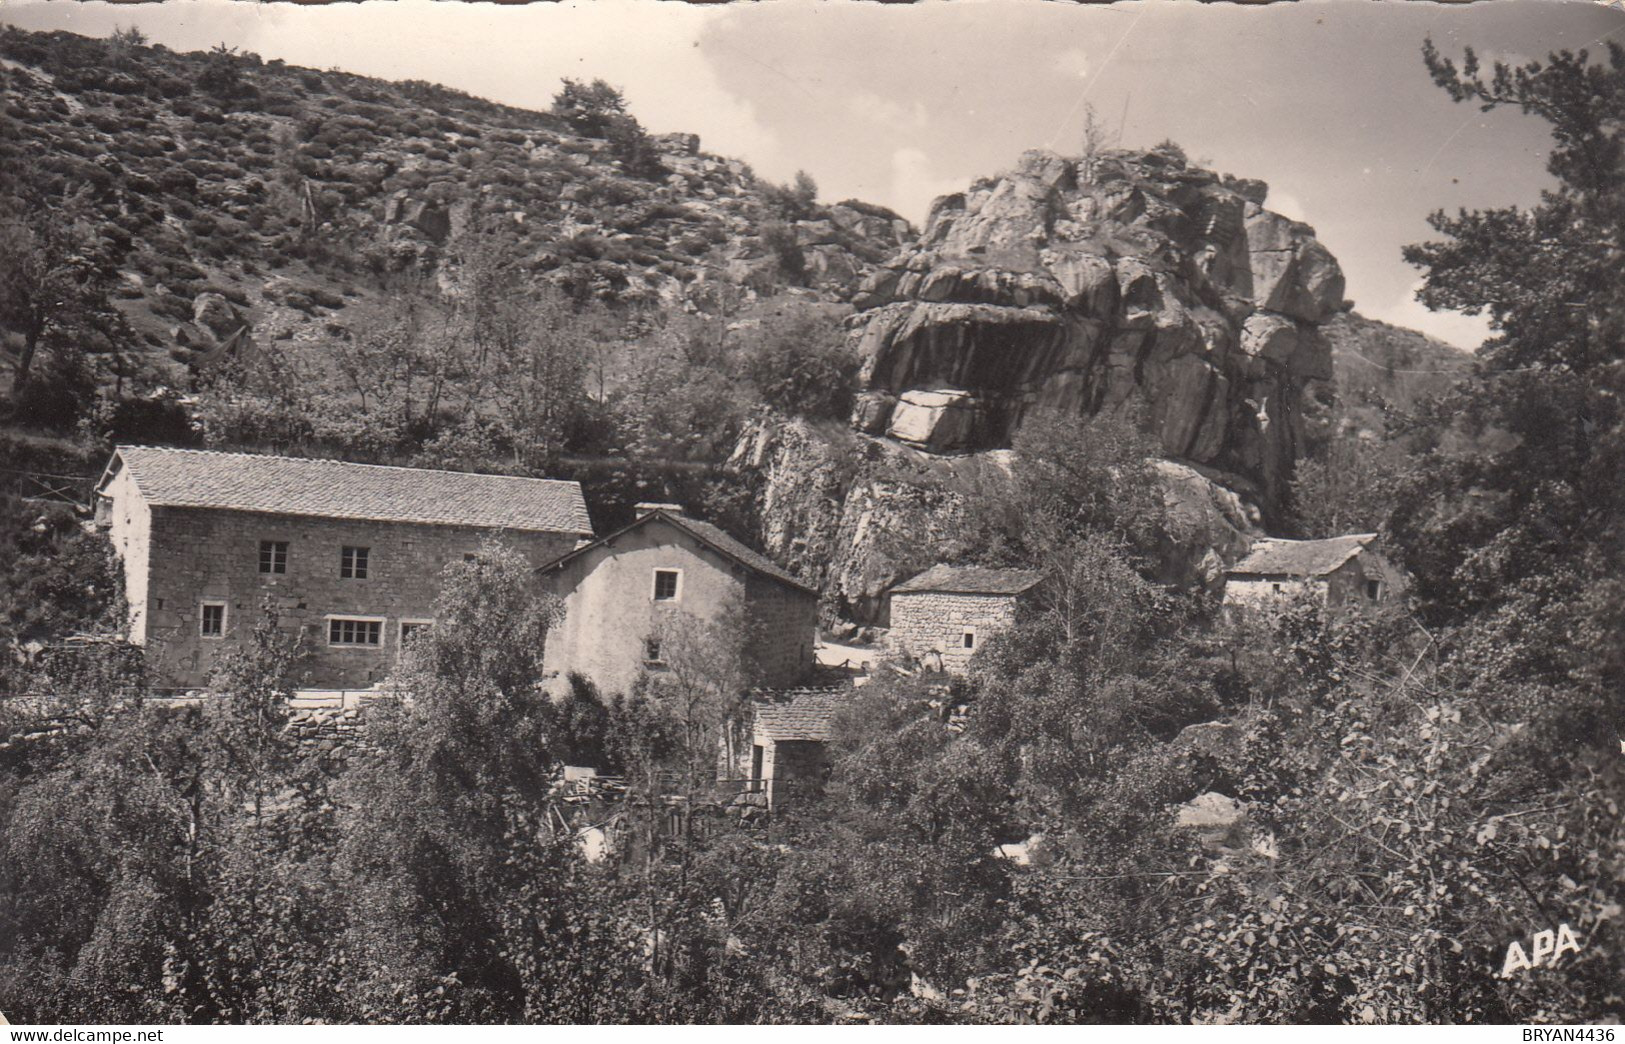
x,y
855,514
1129,280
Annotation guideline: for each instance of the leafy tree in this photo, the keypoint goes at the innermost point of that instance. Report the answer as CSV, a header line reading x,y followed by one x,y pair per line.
x,y
54,282
799,360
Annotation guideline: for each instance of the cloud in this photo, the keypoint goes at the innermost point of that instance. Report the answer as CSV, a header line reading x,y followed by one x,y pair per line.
x,y
867,105
1287,205
916,182
1463,331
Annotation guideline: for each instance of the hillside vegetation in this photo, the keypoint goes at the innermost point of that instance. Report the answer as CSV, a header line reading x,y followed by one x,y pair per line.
x,y
1132,808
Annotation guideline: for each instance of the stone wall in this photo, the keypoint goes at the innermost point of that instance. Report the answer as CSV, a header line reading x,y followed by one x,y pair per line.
x,y
204,555
335,734
784,630
129,528
936,621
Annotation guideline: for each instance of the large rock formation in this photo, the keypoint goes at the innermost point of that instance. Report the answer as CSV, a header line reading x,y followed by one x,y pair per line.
x,y
1087,285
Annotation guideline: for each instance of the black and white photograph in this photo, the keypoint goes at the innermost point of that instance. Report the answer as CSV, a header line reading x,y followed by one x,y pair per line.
x,y
963,513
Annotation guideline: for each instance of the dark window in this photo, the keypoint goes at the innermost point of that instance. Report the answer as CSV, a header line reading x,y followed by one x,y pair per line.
x,y
469,556
665,585
355,632
1373,589
970,639
756,767
651,650
213,622
273,556
353,563
411,629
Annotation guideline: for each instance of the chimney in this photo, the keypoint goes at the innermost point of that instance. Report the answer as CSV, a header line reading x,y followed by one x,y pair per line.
x,y
647,507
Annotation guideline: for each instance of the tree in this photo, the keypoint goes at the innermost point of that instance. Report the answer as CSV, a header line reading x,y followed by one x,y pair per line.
x,y
589,107
54,279
1518,535
464,889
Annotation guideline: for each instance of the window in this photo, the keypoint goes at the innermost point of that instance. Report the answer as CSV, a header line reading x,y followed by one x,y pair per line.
x,y
352,630
411,628
969,640
1373,589
353,563
651,650
273,556
212,622
1277,588
666,581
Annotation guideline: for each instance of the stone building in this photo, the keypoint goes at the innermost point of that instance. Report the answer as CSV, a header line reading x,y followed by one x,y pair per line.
x,y
626,596
1336,571
790,733
351,554
945,613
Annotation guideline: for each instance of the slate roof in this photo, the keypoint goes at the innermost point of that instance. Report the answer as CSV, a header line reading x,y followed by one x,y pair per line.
x,y
337,489
789,715
952,579
717,539
1300,557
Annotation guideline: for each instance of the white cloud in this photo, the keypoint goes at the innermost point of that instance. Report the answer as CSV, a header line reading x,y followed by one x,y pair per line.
x,y
1287,205
867,105
1463,331
916,182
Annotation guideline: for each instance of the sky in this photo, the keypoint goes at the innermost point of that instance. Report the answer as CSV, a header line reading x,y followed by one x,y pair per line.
x,y
1326,100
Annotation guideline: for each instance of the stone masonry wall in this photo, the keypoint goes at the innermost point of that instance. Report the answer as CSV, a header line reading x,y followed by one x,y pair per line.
x,y
200,555
784,625
936,621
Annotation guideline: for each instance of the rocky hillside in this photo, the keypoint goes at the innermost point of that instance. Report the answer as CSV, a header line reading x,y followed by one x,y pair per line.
x,y
231,193
238,202
1383,371
1129,280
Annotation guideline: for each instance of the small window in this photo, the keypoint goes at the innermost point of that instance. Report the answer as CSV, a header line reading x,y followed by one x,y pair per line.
x,y
351,631
969,639
470,557
1277,588
353,563
273,556
651,650
410,629
666,584
212,622
1373,589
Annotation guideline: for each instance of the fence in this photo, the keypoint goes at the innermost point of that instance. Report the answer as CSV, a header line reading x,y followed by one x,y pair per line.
x,y
43,487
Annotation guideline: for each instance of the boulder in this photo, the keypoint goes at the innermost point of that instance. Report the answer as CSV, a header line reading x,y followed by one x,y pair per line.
x,y
214,313
942,421
1291,272
871,412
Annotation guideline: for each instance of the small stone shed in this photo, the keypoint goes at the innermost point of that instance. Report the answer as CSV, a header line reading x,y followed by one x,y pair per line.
x,y
1337,571
949,611
790,733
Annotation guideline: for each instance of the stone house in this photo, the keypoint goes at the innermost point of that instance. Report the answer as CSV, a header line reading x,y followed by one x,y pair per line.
x,y
1337,571
944,614
626,594
350,553
790,733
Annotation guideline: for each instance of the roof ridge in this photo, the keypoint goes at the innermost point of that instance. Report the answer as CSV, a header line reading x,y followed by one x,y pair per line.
x,y
340,463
